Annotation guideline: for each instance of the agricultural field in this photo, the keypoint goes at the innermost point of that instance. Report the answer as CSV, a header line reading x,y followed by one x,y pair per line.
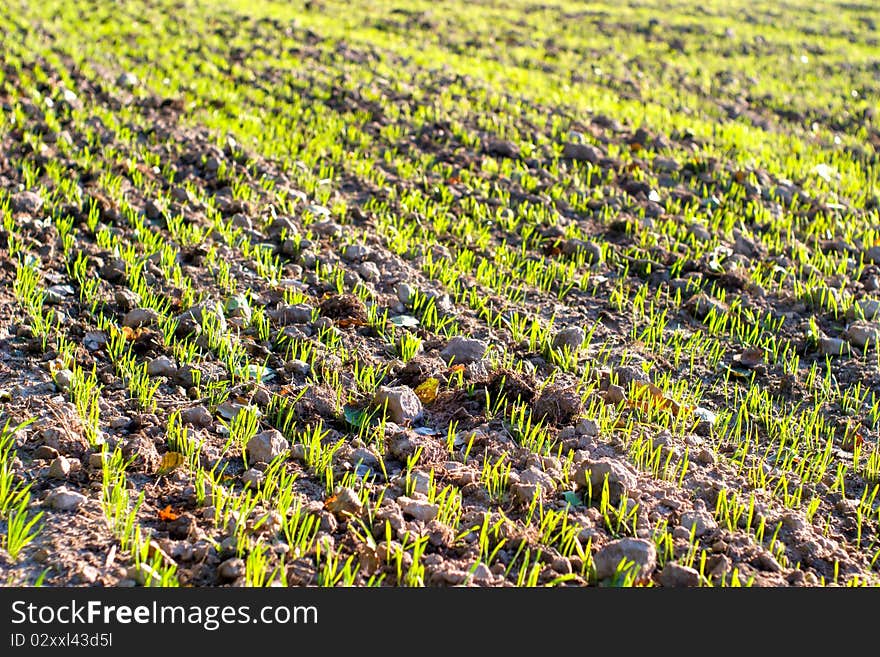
x,y
407,293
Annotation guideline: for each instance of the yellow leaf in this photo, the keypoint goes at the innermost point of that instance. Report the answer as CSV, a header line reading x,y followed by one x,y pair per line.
x,y
170,460
427,391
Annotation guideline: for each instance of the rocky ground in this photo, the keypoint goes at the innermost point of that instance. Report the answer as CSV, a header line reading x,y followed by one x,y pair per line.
x,y
602,354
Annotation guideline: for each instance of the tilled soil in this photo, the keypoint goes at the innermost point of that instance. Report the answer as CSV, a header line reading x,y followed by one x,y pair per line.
x,y
497,460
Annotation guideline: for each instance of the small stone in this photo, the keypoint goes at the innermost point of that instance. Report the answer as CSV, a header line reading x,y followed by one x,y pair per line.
x,y
615,394
637,550
345,502
525,493
403,405
128,80
63,499
572,337
253,477
59,468
620,479
581,153
701,522
675,575
162,366
405,293
94,340
369,271
231,568
126,299
28,202
482,573
864,309
45,453
461,351
587,427
140,317
423,511
535,477
355,252
96,460
833,347
706,456
863,334
299,313
63,379
206,309
197,416
266,445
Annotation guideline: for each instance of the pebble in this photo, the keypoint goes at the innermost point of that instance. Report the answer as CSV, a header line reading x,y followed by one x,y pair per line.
x,y
587,427
833,346
29,202
59,468
405,292
640,551
345,502
162,366
369,271
355,252
266,445
197,416
253,477
63,499
140,317
461,351
299,313
482,573
620,479
581,153
128,80
231,568
675,575
615,394
403,404
535,477
572,337
45,453
63,379
864,309
423,511
863,334
126,299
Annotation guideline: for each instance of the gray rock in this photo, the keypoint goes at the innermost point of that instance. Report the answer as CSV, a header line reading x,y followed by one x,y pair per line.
x,y
369,271
403,404
535,477
423,511
253,477
162,366
420,481
863,334
63,499
94,340
59,468
587,427
198,313
238,306
482,573
231,568
56,294
128,80
266,445
665,165
873,254
28,202
405,292
197,416
701,522
355,252
572,337
864,309
675,575
45,453
525,493
299,313
126,299
63,379
833,347
615,394
581,153
344,502
140,317
461,351
620,478
637,550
